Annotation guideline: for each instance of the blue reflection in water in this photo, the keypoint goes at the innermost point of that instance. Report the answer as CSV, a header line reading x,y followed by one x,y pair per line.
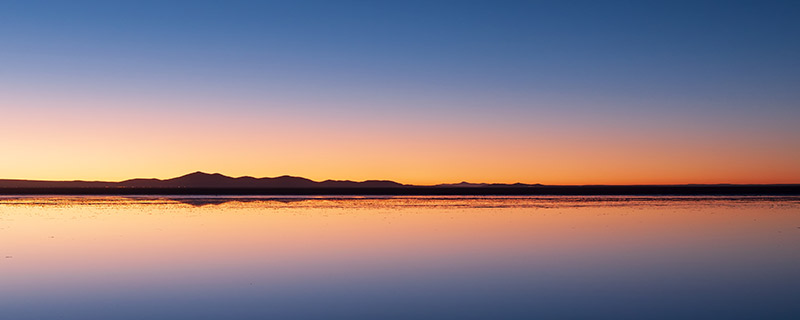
x,y
511,295
753,280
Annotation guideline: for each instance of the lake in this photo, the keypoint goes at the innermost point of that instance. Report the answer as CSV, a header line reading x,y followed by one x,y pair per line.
x,y
266,257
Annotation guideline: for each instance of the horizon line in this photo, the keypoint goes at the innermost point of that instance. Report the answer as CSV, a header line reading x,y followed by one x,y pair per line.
x,y
407,184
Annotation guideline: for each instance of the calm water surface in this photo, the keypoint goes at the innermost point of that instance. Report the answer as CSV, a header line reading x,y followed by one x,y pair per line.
x,y
399,257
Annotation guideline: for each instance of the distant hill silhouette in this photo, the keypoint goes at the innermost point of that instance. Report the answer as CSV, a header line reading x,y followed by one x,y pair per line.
x,y
201,183
465,184
205,180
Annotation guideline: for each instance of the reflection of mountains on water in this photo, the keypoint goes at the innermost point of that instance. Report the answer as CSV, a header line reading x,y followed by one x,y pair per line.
x,y
199,183
199,202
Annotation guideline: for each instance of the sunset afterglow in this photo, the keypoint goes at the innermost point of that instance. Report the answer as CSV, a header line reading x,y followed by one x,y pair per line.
x,y
415,92
395,160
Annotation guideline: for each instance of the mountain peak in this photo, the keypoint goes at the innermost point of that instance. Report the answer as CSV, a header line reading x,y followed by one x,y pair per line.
x,y
198,174
199,179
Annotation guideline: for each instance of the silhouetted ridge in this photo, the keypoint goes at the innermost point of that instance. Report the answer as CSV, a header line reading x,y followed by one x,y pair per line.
x,y
199,180
8,184
201,183
462,184
363,184
215,180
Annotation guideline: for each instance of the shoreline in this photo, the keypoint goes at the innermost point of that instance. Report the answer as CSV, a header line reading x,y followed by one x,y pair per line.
x,y
666,190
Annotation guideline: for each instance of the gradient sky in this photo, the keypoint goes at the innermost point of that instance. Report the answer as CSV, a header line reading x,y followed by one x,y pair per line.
x,y
555,92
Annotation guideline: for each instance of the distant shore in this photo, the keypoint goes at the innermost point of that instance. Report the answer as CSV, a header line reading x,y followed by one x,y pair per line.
x,y
783,189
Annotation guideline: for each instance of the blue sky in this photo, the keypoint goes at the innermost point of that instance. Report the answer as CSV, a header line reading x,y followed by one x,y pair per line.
x,y
695,49
701,66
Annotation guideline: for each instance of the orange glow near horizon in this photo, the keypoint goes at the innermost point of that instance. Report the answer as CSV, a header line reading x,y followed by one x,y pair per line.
x,y
394,91
95,143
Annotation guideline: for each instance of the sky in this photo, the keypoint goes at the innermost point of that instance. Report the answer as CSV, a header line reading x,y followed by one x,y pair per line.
x,y
424,92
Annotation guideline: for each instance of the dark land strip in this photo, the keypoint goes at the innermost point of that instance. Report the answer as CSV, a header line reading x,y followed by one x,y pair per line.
x,y
792,189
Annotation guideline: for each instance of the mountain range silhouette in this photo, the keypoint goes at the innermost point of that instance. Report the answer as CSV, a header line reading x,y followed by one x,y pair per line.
x,y
204,180
201,183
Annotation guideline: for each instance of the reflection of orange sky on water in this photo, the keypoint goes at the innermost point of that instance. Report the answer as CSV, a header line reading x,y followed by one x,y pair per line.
x,y
108,244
